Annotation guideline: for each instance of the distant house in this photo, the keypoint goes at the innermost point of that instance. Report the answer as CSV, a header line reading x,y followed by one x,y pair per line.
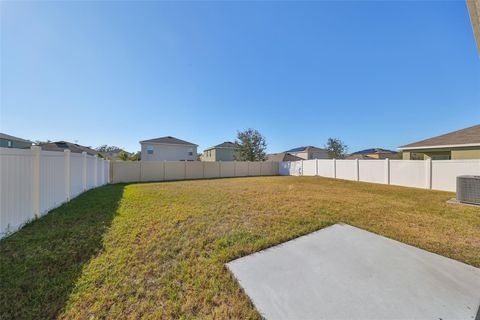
x,y
168,149
64,145
221,152
460,144
7,141
309,152
282,156
374,153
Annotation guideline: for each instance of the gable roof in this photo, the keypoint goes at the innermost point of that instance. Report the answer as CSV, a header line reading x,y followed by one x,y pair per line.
x,y
224,145
9,137
168,140
62,145
282,156
373,150
306,149
465,137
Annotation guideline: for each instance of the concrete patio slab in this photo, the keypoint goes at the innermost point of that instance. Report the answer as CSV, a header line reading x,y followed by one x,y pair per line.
x,y
342,272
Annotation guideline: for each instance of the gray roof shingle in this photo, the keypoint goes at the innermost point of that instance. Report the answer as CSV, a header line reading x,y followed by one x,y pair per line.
x,y
168,140
470,135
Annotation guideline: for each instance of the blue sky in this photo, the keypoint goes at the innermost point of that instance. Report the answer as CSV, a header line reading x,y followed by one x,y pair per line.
x,y
374,74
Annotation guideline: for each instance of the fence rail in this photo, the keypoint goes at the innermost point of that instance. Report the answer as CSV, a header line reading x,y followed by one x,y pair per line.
x,y
34,181
137,171
428,174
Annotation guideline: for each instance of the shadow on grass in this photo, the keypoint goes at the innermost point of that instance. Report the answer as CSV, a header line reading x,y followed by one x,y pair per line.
x,y
40,263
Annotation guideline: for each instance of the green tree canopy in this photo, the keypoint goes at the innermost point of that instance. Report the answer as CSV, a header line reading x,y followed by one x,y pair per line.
x,y
336,148
251,146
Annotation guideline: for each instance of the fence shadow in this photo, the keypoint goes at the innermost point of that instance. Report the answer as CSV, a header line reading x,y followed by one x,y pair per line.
x,y
40,264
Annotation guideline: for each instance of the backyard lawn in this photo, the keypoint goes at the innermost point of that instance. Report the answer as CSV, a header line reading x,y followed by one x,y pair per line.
x,y
157,250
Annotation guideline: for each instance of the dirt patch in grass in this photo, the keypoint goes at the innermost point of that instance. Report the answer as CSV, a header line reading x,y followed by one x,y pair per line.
x,y
162,252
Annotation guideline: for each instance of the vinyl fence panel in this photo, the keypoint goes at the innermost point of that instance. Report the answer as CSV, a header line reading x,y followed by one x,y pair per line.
x,y
309,167
227,169
372,171
241,169
444,174
194,170
174,170
150,170
52,180
35,181
408,173
76,174
16,196
346,169
325,168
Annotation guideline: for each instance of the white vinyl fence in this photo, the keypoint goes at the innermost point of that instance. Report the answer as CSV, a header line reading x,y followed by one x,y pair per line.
x,y
136,171
33,181
436,174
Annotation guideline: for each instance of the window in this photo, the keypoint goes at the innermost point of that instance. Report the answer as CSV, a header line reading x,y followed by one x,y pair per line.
x,y
9,143
190,152
149,149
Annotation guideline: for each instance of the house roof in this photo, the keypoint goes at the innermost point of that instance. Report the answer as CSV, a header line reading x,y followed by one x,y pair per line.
x,y
62,145
282,156
224,145
465,137
9,137
168,140
474,10
372,151
306,149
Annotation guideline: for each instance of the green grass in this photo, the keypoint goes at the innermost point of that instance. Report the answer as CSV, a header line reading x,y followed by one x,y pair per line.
x,y
157,250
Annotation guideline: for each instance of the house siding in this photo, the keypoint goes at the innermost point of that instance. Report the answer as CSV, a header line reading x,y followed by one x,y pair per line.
x,y
169,152
453,153
14,144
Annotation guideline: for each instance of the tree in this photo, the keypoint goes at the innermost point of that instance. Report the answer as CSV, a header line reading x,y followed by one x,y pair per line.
x,y
336,148
251,146
137,156
123,156
105,148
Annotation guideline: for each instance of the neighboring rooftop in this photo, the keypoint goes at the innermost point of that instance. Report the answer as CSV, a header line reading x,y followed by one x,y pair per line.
x,y
9,137
224,145
465,137
374,150
306,149
168,140
282,156
62,145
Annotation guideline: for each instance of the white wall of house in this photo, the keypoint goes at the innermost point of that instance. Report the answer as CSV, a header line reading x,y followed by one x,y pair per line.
x,y
168,152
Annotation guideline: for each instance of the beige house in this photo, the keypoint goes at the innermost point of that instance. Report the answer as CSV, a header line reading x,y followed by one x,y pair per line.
x,y
461,144
168,149
221,152
309,152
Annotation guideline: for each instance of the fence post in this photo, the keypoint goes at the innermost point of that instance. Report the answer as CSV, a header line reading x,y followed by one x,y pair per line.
x,y
66,153
36,152
334,162
164,170
387,171
185,171
95,171
219,169
234,168
109,165
357,169
301,168
428,173
84,169
103,171
203,169
316,167
248,168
